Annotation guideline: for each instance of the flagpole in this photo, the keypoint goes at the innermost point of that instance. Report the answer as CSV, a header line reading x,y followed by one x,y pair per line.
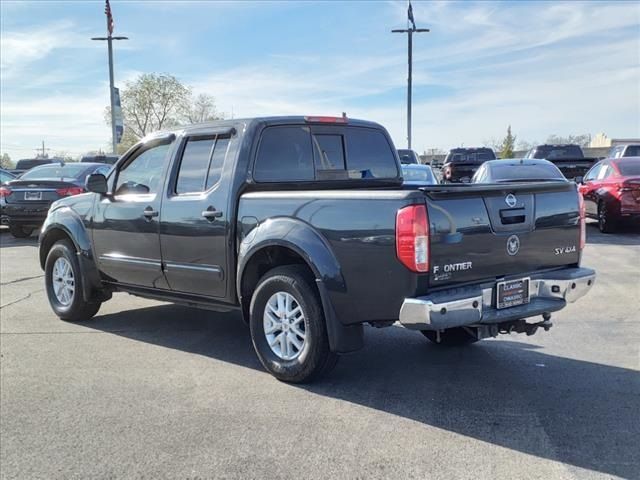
x,y
410,30
112,91
114,139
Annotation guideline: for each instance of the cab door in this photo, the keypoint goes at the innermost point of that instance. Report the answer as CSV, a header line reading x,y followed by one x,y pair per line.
x,y
125,224
194,222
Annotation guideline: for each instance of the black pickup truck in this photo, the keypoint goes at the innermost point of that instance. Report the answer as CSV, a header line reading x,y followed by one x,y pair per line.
x,y
569,159
302,225
461,164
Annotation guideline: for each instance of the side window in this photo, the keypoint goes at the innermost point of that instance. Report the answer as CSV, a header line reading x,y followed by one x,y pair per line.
x,y
284,154
329,152
143,174
194,164
102,170
369,154
591,174
604,172
217,161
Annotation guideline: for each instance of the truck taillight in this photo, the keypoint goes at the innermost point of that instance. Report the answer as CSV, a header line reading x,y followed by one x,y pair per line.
x,y
583,220
67,192
4,192
412,237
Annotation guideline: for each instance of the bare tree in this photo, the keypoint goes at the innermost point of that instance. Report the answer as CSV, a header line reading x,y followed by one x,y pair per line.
x,y
582,140
202,108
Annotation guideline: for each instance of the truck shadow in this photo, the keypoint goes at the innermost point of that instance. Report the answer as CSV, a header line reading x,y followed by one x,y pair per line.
x,y
507,393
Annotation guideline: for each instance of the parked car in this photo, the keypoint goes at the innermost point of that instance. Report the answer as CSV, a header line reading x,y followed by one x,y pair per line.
x,y
629,150
461,163
568,158
517,170
28,163
301,224
416,175
108,159
5,176
26,200
408,156
611,191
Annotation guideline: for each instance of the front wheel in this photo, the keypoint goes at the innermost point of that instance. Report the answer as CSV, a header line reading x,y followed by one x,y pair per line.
x,y
63,281
19,231
288,328
452,337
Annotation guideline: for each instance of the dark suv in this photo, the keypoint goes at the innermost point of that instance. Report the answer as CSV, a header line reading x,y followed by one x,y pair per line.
x,y
461,163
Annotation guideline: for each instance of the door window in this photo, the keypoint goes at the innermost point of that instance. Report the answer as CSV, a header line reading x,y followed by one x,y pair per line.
x,y
194,164
217,161
604,172
143,174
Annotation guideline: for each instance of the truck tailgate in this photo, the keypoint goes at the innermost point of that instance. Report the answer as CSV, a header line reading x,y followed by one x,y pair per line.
x,y
486,232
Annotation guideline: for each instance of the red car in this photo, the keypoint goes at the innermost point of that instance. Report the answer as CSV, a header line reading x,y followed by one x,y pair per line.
x,y
611,191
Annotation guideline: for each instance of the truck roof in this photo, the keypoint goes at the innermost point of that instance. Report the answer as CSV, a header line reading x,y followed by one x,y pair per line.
x,y
275,120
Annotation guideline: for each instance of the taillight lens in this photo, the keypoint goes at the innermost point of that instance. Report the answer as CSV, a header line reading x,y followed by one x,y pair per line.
x,y
583,220
67,192
5,192
412,238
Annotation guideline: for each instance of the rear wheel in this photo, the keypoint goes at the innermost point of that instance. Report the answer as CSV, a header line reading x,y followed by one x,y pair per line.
x,y
606,222
19,231
63,281
288,328
452,337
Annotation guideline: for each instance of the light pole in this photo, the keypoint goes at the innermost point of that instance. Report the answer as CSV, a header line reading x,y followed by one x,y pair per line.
x,y
109,40
409,32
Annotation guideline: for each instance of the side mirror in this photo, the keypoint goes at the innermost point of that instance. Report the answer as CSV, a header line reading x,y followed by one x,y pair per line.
x,y
97,183
579,180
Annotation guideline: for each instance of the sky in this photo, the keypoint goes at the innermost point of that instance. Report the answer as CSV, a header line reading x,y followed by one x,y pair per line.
x,y
542,67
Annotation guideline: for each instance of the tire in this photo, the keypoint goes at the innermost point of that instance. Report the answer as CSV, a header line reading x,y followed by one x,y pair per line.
x,y
19,231
72,306
451,337
311,357
606,222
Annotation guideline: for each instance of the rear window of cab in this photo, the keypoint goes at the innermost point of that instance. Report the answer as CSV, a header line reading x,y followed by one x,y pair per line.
x,y
299,153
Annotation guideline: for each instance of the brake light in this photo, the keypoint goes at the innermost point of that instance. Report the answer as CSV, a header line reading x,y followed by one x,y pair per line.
x,y
412,237
5,192
321,119
67,192
583,220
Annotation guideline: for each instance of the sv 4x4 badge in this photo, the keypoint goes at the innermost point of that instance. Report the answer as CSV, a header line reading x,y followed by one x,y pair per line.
x,y
564,250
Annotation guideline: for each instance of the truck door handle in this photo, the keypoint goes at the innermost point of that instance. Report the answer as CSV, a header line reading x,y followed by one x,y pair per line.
x,y
211,213
149,213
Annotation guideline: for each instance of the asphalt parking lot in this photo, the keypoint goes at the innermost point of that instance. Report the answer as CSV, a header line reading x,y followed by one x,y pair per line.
x,y
152,390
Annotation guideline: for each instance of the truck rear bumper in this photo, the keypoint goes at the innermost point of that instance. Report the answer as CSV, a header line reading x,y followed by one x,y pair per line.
x,y
549,292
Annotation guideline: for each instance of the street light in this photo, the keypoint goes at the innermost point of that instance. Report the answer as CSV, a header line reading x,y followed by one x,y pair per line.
x,y
410,32
109,39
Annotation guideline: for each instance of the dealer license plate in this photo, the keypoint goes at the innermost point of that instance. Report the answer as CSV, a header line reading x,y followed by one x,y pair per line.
x,y
512,293
33,195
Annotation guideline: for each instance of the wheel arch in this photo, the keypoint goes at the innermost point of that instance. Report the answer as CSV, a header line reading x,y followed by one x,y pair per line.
x,y
288,241
64,224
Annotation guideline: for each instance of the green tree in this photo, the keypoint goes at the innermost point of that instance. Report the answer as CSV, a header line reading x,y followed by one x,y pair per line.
x,y
5,161
508,144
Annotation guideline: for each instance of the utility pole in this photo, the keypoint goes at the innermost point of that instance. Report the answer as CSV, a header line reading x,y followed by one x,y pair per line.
x,y
110,38
410,31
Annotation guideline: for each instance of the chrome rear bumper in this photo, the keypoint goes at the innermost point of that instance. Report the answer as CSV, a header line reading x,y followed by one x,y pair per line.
x,y
549,292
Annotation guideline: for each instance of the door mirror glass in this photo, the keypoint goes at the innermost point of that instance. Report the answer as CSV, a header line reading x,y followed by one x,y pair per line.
x,y
97,183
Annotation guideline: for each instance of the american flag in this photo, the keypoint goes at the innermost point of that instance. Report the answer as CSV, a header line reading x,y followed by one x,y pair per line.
x,y
107,12
409,14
